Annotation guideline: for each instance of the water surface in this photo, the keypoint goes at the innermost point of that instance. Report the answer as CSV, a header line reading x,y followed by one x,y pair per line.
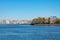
x,y
29,32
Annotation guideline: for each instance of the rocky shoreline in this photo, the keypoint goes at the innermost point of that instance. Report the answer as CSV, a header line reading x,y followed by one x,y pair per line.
x,y
47,24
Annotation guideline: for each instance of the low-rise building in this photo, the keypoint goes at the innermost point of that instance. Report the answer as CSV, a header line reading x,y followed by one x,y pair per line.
x,y
52,20
46,20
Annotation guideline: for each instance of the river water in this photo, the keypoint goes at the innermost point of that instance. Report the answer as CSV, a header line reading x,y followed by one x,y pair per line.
x,y
29,32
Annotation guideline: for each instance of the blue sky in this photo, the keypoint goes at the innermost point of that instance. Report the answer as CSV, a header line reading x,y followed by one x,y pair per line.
x,y
28,9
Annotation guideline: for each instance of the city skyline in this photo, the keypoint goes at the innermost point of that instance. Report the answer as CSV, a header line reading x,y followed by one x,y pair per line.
x,y
28,9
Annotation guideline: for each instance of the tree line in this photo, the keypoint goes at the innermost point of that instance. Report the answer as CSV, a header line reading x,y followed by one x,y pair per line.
x,y
42,21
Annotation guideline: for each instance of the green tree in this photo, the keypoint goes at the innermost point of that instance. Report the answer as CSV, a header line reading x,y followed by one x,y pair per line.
x,y
34,21
41,20
38,21
58,20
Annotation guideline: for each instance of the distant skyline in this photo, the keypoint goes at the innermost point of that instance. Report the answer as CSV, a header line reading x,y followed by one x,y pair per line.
x,y
28,9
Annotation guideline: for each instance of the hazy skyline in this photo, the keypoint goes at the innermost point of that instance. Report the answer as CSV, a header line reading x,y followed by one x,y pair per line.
x,y
28,9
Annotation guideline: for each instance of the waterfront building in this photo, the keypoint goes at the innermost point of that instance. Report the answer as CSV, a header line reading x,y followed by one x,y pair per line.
x,y
14,22
7,22
46,20
3,21
52,19
0,22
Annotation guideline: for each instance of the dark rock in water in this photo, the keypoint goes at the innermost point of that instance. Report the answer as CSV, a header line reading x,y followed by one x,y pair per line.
x,y
31,24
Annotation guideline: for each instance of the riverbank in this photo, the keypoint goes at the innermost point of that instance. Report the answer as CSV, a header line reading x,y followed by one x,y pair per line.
x,y
47,24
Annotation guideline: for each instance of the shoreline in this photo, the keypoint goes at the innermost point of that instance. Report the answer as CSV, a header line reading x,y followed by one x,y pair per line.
x,y
35,24
47,24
